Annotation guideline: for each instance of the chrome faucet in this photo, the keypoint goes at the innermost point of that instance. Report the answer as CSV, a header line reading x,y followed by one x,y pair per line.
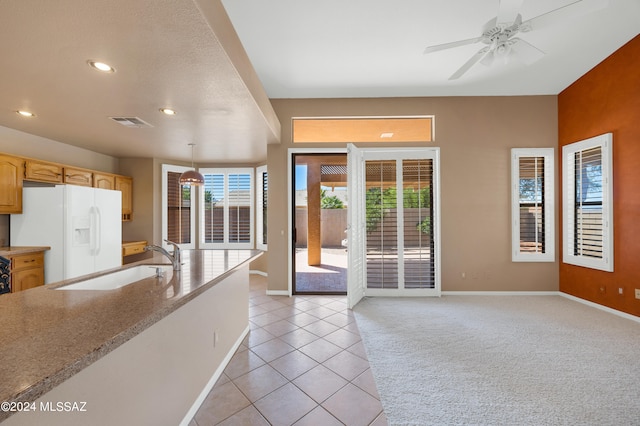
x,y
175,258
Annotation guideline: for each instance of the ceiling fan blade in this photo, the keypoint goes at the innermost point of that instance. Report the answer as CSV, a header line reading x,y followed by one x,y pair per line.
x,y
444,46
471,62
557,16
508,11
488,59
525,51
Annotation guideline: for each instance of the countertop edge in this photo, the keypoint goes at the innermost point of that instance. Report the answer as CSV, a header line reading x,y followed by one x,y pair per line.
x,y
17,250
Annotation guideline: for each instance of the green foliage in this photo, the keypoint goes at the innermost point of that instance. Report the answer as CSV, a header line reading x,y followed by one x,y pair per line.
x,y
330,201
378,202
208,198
425,225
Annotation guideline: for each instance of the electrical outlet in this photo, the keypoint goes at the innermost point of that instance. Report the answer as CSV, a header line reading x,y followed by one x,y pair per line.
x,y
620,290
637,293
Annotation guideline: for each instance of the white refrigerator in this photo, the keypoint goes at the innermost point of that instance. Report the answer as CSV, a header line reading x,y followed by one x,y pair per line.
x,y
82,226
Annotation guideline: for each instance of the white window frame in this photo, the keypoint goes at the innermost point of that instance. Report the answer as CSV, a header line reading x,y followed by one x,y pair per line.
x,y
166,168
605,142
259,213
549,205
226,244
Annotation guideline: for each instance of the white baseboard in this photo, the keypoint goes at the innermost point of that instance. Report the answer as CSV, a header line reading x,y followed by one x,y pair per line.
x,y
212,381
256,272
500,293
277,293
601,307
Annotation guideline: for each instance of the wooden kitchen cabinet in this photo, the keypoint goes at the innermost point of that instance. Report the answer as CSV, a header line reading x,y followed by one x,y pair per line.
x,y
11,178
132,247
80,177
43,171
104,180
124,184
27,271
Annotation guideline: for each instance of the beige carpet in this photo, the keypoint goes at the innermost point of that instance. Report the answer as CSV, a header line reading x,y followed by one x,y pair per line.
x,y
501,360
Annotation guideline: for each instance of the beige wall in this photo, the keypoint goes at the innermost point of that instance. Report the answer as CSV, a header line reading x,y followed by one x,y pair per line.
x,y
26,145
475,135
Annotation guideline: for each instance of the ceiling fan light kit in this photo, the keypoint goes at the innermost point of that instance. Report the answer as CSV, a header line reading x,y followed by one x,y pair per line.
x,y
500,37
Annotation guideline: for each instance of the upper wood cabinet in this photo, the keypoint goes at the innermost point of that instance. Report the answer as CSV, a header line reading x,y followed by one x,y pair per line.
x,y
104,180
43,172
78,176
11,176
14,170
125,185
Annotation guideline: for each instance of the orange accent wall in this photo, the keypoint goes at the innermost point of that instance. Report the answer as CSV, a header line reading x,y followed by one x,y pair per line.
x,y
607,99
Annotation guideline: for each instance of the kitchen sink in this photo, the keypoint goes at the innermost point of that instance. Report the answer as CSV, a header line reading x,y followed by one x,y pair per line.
x,y
118,279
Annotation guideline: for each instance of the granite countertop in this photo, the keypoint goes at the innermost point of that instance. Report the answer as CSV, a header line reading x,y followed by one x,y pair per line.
x,y
48,335
14,250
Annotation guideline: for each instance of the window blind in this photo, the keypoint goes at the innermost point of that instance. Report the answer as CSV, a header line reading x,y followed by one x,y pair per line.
x,y
588,225
178,210
381,224
239,193
531,204
417,181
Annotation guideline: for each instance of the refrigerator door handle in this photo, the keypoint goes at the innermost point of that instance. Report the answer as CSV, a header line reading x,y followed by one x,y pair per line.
x,y
94,214
98,231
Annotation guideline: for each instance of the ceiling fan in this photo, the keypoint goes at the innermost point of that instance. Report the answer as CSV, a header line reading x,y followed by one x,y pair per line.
x,y
499,34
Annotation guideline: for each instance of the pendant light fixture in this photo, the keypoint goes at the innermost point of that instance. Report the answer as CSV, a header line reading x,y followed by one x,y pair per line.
x,y
191,177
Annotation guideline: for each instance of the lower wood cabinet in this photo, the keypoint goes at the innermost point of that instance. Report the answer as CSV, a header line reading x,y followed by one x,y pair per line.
x,y
27,271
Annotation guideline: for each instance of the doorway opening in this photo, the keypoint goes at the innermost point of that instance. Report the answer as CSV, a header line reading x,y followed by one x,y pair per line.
x,y
320,207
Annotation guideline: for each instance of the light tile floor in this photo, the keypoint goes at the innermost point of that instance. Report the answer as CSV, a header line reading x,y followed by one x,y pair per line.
x,y
302,363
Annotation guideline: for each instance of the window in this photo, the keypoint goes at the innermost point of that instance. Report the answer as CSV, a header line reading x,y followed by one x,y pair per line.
x,y
226,213
587,182
261,207
178,216
532,205
363,129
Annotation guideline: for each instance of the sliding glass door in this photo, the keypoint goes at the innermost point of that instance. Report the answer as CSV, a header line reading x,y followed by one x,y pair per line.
x,y
399,244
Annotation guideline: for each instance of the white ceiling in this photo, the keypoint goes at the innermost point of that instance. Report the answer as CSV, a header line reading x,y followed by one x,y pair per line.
x,y
374,48
185,54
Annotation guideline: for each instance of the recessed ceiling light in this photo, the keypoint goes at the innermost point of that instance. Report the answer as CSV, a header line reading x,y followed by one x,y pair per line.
x,y
25,113
386,135
168,111
101,66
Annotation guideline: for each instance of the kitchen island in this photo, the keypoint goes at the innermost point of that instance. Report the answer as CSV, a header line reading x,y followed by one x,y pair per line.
x,y
145,353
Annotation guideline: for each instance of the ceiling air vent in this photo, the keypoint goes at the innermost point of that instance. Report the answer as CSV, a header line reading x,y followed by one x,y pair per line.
x,y
131,121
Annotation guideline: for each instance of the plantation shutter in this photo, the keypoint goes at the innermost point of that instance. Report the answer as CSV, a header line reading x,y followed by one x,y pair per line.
x,y
588,224
381,223
239,195
418,242
264,190
588,203
178,210
226,210
355,226
214,206
531,202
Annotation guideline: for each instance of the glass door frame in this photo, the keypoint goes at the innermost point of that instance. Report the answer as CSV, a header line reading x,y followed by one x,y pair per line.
x,y
291,206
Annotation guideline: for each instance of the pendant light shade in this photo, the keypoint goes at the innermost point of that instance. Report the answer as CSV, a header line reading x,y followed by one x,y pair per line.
x,y
191,177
